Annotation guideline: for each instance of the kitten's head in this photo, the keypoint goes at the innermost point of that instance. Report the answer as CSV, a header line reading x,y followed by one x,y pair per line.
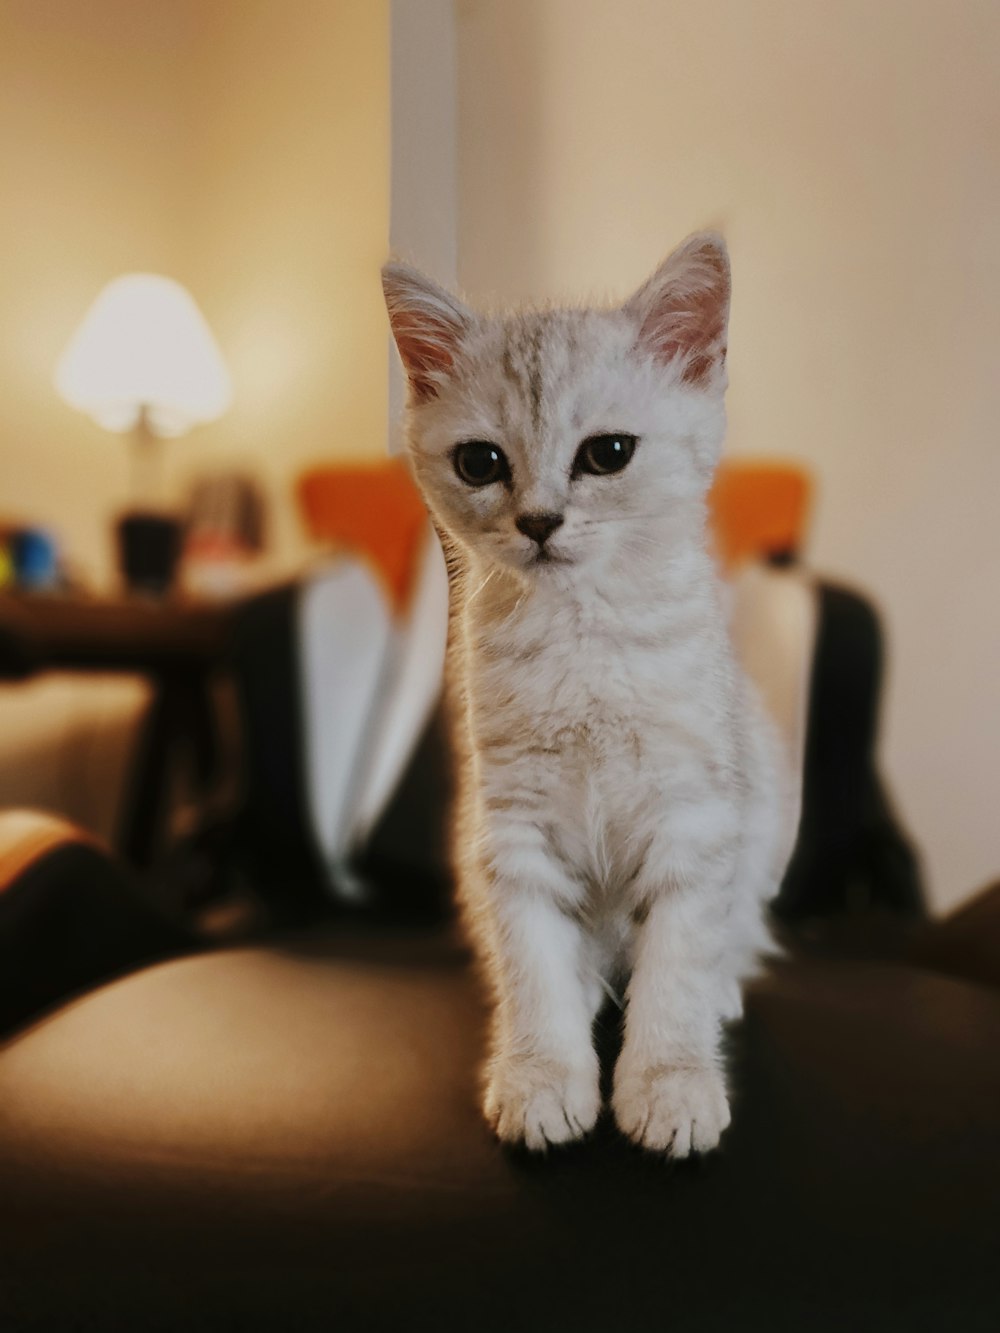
x,y
549,441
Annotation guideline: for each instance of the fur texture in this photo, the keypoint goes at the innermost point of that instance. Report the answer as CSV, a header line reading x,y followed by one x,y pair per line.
x,y
625,814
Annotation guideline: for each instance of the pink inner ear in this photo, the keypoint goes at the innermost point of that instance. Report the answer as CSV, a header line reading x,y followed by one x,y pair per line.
x,y
700,340
424,355
688,316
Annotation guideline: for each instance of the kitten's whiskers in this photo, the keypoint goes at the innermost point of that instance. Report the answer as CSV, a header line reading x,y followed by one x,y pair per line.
x,y
473,595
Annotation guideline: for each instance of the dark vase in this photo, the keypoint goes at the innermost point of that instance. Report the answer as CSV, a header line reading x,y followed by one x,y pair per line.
x,y
149,546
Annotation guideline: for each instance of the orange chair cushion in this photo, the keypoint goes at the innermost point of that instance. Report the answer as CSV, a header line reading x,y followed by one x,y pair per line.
x,y
757,508
373,510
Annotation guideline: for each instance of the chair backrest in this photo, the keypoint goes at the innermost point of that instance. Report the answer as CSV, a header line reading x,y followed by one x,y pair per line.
x,y
369,682
345,659
368,690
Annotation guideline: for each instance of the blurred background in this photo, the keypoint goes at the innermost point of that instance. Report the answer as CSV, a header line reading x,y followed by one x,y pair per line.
x,y
267,157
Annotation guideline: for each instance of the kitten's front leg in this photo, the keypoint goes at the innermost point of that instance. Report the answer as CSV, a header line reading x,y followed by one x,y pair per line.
x,y
669,1094
543,1076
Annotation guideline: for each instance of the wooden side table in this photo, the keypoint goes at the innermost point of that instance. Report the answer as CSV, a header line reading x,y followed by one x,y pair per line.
x,y
180,646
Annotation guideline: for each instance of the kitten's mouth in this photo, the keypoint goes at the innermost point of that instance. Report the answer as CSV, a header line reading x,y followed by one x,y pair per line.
x,y
543,556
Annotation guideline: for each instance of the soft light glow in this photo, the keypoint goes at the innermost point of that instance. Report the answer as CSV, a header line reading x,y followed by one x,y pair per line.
x,y
144,348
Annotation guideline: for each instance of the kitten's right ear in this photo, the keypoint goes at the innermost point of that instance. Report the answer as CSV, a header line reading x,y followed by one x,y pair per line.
x,y
428,325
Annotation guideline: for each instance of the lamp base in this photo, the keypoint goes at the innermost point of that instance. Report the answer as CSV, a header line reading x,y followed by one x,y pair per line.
x,y
149,547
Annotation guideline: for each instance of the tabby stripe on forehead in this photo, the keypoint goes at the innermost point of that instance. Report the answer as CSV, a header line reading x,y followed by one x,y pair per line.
x,y
507,365
511,378
535,377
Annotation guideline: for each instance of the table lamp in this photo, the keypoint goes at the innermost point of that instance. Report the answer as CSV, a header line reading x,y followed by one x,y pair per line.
x,y
144,361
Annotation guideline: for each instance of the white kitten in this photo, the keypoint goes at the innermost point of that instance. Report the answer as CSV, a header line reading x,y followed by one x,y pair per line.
x,y
625,814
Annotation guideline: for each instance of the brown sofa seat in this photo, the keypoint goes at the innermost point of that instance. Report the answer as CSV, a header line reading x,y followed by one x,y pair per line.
x,y
285,1138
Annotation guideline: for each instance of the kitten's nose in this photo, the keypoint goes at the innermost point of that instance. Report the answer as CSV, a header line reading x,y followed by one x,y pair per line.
x,y
539,527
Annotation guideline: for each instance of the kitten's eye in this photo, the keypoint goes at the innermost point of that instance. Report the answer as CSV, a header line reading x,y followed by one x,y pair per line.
x,y
603,454
480,463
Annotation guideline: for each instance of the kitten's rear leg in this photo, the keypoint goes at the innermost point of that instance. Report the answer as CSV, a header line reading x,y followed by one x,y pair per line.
x,y
543,1077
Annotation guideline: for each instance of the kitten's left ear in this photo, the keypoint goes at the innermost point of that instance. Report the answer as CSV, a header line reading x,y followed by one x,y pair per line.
x,y
683,310
428,325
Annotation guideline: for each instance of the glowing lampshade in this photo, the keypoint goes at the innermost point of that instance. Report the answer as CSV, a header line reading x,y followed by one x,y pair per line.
x,y
144,354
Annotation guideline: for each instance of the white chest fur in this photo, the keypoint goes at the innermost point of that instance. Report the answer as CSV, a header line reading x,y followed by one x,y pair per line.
x,y
603,729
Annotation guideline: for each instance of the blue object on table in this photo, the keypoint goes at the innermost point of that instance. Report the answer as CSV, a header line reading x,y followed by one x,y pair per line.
x,y
36,563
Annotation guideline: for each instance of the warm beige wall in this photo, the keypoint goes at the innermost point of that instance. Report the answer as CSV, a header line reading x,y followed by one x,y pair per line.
x,y
241,146
293,176
91,143
423,223
851,152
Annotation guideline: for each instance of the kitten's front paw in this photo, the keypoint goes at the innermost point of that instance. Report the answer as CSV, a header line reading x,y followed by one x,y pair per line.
x,y
536,1101
677,1111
